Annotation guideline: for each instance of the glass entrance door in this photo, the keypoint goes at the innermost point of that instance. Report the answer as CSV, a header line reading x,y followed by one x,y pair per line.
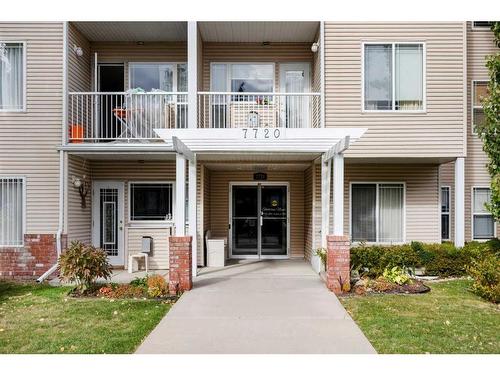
x,y
259,224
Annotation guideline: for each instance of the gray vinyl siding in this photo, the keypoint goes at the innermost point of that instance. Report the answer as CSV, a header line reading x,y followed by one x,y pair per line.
x,y
29,140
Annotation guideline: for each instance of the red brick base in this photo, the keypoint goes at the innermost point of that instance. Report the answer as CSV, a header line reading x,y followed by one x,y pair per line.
x,y
180,273
338,264
30,261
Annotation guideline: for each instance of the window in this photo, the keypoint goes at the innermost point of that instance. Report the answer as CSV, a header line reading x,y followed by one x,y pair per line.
x,y
479,91
159,76
12,76
377,212
445,212
11,211
151,201
482,221
393,77
242,77
482,24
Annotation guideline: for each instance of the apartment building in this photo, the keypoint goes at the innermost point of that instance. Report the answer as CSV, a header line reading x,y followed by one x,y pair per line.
x,y
266,135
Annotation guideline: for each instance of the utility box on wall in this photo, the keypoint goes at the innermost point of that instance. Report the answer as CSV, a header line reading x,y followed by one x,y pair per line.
x,y
147,244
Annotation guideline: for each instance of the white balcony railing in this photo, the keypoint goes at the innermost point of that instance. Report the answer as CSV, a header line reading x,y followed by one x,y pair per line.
x,y
243,110
122,116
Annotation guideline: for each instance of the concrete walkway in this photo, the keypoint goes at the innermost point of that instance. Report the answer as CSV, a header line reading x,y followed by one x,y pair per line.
x,y
277,306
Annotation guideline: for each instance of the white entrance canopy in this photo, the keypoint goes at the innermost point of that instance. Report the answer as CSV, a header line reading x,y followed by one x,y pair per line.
x,y
330,142
245,140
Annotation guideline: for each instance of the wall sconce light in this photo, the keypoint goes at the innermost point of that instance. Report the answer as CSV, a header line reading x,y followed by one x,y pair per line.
x,y
78,50
83,188
315,47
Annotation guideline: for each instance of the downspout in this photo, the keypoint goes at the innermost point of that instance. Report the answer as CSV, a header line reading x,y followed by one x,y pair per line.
x,y
62,176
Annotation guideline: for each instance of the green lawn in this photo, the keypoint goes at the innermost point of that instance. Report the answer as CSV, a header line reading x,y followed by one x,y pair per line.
x,y
43,319
449,319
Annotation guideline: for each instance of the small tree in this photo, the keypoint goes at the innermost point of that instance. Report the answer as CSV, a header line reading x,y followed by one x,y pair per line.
x,y
489,130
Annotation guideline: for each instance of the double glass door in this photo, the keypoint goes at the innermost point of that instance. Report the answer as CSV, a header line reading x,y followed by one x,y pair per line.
x,y
259,221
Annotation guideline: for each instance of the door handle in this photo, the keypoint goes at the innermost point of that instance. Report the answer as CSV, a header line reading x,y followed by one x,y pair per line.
x,y
261,220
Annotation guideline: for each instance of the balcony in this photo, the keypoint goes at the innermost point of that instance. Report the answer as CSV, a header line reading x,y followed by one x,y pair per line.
x,y
258,110
124,117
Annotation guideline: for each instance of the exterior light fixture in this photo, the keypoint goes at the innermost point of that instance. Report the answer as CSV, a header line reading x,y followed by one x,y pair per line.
x,y
83,188
78,50
315,47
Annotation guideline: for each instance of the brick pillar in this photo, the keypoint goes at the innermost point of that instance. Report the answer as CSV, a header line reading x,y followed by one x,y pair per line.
x,y
338,263
180,274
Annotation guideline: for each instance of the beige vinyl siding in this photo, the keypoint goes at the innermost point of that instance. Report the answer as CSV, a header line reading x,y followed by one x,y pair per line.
x,y
254,52
479,45
125,52
29,140
130,171
422,195
308,212
79,67
158,259
439,132
219,202
79,220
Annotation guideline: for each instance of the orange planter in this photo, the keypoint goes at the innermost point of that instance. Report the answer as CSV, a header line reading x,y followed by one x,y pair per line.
x,y
76,133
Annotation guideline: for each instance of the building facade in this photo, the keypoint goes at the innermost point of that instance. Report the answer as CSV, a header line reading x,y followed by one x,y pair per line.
x,y
265,135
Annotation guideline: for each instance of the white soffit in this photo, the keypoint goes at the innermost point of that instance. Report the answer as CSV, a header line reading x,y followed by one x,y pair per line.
x,y
258,32
250,140
133,31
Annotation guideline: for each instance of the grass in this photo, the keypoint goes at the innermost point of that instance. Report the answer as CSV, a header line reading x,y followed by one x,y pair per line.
x,y
449,319
43,319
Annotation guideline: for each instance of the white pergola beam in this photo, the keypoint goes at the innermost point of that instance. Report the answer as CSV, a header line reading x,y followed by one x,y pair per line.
x,y
338,148
181,148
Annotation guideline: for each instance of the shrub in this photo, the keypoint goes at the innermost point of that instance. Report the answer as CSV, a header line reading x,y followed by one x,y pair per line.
x,y
396,275
123,291
140,281
83,265
157,286
322,254
442,259
486,275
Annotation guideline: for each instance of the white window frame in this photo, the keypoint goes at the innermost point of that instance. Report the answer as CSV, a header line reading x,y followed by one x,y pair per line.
x,y
446,213
377,210
23,221
150,222
174,77
495,229
229,70
472,106
479,28
25,52
424,77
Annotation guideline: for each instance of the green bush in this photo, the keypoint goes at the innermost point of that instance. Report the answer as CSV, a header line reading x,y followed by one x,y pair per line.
x,y
83,265
486,275
397,275
442,259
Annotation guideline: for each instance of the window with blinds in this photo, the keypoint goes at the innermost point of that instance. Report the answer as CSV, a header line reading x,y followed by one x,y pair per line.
x,y
377,212
483,225
393,77
12,76
11,211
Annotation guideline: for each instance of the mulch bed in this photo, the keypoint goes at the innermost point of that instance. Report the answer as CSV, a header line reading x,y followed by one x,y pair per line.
x,y
382,286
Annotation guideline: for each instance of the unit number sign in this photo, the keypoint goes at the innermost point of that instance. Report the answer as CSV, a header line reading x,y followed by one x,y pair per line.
x,y
261,133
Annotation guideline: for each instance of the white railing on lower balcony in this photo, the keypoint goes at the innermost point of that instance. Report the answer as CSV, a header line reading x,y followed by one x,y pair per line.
x,y
123,116
247,110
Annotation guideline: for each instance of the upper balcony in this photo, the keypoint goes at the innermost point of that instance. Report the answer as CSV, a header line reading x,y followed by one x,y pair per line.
x,y
128,79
